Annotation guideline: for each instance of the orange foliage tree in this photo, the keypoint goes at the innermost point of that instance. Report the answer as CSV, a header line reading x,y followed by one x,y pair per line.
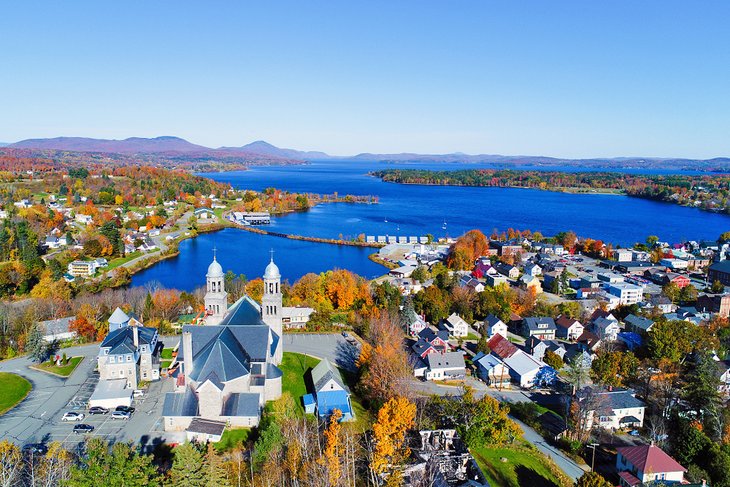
x,y
466,250
395,418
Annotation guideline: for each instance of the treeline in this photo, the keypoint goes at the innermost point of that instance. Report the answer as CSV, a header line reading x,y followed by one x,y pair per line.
x,y
709,192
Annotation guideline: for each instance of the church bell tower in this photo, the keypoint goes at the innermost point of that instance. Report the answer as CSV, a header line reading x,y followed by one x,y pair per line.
x,y
216,297
271,304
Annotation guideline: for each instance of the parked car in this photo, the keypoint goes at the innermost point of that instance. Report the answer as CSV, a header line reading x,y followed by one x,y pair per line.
x,y
35,449
138,393
121,415
83,428
126,409
98,410
73,416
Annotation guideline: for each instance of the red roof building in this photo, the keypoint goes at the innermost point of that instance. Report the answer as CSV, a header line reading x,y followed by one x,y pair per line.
x,y
501,347
638,465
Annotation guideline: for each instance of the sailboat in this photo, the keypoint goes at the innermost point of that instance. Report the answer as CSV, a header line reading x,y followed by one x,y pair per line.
x,y
443,227
386,219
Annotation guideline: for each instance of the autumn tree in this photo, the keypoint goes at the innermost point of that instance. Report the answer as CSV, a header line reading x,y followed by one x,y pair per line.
x,y
332,447
10,464
614,368
384,370
592,479
389,450
187,466
553,360
467,248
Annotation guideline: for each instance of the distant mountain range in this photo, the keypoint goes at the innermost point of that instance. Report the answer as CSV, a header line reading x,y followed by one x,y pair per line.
x,y
262,149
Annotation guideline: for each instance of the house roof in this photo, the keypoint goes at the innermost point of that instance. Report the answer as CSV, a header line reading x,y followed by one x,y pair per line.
x,y
721,266
243,312
242,404
206,426
492,320
501,347
420,347
650,458
323,373
180,403
447,360
639,322
328,401
566,322
121,340
118,317
533,323
629,478
429,335
456,320
56,327
522,363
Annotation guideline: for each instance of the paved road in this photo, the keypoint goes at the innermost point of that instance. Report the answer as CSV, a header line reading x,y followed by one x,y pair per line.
x,y
38,417
331,346
571,469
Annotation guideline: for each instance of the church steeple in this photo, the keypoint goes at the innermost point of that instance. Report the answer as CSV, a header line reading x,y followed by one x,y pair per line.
x,y
271,303
216,297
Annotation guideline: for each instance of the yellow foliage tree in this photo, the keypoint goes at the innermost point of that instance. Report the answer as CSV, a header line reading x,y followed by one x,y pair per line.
x,y
332,448
395,418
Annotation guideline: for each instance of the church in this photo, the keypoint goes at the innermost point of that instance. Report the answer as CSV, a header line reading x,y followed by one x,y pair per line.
x,y
228,365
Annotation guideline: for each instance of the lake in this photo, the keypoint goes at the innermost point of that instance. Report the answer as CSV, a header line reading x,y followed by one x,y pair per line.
x,y
248,253
412,210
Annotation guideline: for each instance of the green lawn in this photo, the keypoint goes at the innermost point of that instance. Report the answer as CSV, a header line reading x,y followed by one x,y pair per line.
x,y
14,388
166,353
165,364
294,366
64,370
114,263
232,438
523,466
472,337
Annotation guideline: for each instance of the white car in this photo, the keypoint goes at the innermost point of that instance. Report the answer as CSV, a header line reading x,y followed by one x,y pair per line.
x,y
121,415
72,416
138,393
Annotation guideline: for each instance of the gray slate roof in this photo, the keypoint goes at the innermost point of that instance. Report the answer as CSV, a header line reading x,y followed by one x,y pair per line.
x,y
323,372
56,327
121,340
445,360
244,312
639,322
180,404
532,323
242,404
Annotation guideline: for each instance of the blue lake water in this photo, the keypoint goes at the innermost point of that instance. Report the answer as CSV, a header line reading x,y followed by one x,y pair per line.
x,y
248,253
412,210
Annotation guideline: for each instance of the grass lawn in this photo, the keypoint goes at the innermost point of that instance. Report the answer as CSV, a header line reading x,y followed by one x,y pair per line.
x,y
294,366
472,337
14,388
523,466
64,370
166,353
232,438
114,263
165,364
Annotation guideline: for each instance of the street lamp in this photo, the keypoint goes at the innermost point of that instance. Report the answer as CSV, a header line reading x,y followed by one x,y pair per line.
x,y
593,460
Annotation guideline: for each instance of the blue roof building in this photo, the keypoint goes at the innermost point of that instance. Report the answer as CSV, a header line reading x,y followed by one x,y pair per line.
x,y
330,392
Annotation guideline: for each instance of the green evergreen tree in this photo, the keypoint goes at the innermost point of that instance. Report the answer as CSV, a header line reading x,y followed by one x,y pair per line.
x,y
215,470
188,467
35,345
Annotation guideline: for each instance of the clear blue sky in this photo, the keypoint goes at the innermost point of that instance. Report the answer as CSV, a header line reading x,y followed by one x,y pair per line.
x,y
571,79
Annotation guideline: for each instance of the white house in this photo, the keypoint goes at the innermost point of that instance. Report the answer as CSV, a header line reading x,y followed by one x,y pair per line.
x,y
607,328
295,316
492,370
58,329
495,326
523,368
84,219
613,409
533,270
456,326
568,328
644,464
444,366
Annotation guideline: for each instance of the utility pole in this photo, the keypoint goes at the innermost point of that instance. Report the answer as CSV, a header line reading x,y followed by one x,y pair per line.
x,y
593,460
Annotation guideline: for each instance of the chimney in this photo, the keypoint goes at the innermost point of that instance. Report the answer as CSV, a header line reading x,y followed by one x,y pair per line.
x,y
187,346
135,336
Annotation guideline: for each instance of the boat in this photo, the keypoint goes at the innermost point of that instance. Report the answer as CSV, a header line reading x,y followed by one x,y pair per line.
x,y
443,227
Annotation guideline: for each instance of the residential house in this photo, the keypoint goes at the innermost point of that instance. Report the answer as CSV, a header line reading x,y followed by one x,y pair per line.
x,y
638,324
537,348
606,328
330,391
84,219
414,323
528,282
53,242
445,366
523,368
456,326
58,329
664,304
589,341
430,341
205,215
613,409
295,317
472,283
541,327
507,248
723,372
644,464
568,328
494,326
492,370
533,270
495,280
508,270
